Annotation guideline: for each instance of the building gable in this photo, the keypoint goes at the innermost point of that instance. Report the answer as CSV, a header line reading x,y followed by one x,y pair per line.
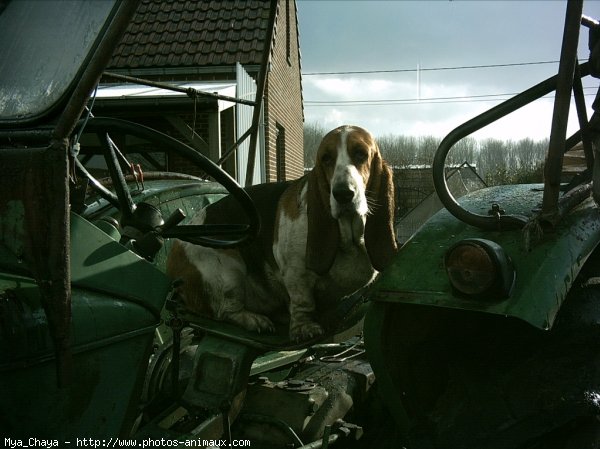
x,y
188,33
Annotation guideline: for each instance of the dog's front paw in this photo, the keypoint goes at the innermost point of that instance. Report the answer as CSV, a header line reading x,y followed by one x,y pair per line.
x,y
251,321
305,331
260,323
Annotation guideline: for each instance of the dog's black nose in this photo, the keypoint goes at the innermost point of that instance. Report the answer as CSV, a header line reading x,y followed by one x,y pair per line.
x,y
342,193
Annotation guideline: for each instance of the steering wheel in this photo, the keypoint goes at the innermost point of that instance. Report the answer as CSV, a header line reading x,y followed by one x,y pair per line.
x,y
136,215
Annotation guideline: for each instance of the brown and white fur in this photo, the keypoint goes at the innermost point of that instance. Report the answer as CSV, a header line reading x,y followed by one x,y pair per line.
x,y
322,237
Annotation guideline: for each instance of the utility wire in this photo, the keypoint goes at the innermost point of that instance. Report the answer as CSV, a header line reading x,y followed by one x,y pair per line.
x,y
430,69
434,100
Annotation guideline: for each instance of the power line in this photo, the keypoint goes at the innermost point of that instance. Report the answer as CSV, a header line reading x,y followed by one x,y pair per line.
x,y
431,100
430,69
315,102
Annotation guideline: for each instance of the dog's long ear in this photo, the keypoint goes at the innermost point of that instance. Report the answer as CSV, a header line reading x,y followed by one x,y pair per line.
x,y
380,239
323,233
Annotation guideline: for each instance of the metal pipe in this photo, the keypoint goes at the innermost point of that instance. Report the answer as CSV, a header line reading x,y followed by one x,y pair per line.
x,y
560,116
583,120
572,198
100,188
234,147
589,21
127,205
469,127
189,91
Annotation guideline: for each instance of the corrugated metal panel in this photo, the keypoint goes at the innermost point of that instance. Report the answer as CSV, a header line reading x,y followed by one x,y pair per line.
x,y
246,89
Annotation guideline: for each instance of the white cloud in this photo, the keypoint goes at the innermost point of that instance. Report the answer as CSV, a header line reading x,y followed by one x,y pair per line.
x,y
430,34
455,104
350,88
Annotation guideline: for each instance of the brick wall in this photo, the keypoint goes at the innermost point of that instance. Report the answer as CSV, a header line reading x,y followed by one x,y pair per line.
x,y
283,97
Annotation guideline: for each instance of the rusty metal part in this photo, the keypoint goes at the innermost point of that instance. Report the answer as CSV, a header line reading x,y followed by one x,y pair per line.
x,y
482,221
586,140
189,91
37,178
564,86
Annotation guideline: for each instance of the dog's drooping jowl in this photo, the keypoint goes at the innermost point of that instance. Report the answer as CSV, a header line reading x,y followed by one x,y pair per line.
x,y
322,237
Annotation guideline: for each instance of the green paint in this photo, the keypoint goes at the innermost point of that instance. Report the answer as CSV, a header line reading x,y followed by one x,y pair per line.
x,y
546,265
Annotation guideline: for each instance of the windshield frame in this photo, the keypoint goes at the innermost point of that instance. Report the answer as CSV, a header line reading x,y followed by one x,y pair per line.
x,y
43,30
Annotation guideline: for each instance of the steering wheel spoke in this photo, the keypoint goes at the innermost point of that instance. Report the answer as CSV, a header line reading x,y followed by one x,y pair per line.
x,y
114,168
210,235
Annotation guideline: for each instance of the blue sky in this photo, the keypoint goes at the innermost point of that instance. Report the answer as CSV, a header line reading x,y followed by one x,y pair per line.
x,y
401,36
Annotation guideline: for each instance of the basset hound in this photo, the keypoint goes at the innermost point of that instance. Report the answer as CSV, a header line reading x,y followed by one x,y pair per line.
x,y
322,237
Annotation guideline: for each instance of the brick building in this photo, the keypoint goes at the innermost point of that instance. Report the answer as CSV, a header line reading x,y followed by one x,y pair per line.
x,y
215,46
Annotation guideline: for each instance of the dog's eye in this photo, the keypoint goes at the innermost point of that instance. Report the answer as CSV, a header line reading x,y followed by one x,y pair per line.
x,y
327,159
360,155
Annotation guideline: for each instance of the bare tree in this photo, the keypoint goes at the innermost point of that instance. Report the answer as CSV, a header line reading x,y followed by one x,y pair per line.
x,y
313,133
497,161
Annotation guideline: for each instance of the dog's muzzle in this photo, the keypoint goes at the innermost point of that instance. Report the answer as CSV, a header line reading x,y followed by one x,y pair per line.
x,y
343,194
346,201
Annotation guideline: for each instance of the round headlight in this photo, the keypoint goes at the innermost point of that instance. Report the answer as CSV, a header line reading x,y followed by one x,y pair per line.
x,y
480,268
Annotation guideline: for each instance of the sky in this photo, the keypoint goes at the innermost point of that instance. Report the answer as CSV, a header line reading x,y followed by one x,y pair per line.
x,y
409,46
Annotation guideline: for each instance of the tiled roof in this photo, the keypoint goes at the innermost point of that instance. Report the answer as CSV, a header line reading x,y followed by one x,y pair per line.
x,y
191,33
